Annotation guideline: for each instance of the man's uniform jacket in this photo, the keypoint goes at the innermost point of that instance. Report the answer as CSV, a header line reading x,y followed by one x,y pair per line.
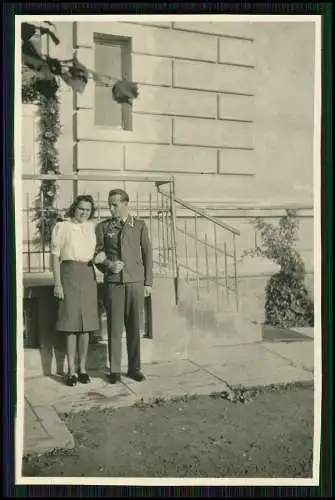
x,y
127,241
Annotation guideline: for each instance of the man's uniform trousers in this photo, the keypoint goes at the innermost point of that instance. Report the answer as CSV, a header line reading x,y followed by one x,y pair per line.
x,y
124,303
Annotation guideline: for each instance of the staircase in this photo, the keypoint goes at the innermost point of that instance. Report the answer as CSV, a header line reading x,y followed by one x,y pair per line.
x,y
195,296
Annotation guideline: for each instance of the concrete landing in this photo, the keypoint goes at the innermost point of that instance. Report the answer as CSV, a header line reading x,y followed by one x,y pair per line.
x,y
206,371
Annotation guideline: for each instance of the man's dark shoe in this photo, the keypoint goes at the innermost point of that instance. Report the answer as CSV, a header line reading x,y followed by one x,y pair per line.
x,y
138,376
84,378
114,378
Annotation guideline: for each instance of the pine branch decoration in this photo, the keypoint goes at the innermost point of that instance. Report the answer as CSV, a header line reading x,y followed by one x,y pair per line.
x,y
49,126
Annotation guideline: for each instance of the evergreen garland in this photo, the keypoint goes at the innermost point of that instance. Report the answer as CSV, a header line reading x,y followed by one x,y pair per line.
x,y
47,101
49,126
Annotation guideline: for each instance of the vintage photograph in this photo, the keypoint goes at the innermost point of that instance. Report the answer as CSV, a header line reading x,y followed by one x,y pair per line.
x,y
168,249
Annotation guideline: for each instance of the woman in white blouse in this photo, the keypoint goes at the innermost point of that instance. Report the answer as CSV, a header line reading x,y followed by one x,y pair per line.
x,y
72,249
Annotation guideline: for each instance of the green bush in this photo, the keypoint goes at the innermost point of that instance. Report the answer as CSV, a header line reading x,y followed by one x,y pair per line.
x,y
287,303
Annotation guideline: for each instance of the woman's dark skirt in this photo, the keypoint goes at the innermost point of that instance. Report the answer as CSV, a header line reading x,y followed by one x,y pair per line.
x,y
78,311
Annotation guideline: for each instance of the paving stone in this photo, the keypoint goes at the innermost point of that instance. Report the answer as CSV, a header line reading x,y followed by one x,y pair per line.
x,y
112,396
228,355
48,390
177,377
306,330
249,365
274,371
300,355
44,430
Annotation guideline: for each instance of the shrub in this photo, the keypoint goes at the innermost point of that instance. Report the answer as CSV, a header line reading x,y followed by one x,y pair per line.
x,y
287,303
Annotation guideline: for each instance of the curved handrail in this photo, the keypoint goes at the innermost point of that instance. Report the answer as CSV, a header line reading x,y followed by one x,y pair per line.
x,y
200,212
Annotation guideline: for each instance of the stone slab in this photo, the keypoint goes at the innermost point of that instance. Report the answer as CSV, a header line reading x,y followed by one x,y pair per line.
x,y
227,355
33,430
111,396
280,334
47,390
300,355
44,430
262,377
173,379
308,331
249,366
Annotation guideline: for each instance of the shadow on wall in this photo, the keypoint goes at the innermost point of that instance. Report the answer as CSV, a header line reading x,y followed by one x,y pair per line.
x,y
200,315
40,331
41,313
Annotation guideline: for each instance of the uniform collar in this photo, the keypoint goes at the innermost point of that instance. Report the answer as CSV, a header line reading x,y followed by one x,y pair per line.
x,y
127,220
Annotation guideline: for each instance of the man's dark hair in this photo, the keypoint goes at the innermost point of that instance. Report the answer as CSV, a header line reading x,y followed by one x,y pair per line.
x,y
82,197
123,194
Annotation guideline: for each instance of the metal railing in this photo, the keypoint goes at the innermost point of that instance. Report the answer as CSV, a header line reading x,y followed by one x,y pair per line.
x,y
154,209
206,253
189,244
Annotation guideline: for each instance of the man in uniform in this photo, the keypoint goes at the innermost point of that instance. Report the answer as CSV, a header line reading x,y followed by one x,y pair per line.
x,y
124,255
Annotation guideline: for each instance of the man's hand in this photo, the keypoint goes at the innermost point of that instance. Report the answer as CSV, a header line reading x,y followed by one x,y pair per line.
x,y
147,291
58,291
99,258
115,267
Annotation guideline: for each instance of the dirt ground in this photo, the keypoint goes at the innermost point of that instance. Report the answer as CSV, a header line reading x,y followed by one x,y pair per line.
x,y
271,436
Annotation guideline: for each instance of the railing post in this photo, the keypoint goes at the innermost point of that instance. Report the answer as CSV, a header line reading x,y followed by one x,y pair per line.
x,y
137,205
28,232
235,275
196,254
169,243
207,262
99,208
150,215
226,271
174,236
158,230
164,242
186,249
216,268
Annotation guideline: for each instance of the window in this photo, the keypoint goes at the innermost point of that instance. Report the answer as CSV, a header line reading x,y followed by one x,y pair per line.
x,y
112,58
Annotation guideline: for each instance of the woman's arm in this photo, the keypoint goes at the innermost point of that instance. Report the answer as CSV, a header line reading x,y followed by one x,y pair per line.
x,y
58,288
56,246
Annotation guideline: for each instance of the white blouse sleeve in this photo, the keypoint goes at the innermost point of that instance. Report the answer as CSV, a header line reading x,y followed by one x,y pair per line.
x,y
94,238
58,239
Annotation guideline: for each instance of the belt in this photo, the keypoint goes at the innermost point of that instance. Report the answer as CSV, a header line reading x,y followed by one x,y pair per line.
x,y
89,263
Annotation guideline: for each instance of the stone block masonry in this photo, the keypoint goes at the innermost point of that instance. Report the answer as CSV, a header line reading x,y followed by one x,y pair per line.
x,y
194,114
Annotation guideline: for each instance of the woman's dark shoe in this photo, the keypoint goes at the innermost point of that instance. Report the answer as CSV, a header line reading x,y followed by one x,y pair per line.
x,y
84,378
71,381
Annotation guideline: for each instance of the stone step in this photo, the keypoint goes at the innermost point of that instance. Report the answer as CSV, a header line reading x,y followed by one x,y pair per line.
x,y
38,362
177,330
209,326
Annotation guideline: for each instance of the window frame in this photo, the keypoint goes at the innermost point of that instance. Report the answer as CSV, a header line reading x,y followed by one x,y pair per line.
x,y
125,43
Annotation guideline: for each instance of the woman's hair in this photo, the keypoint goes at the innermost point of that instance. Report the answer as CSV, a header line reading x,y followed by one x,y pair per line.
x,y
82,197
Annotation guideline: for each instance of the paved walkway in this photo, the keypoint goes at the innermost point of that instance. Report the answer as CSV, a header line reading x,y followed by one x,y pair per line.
x,y
205,371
